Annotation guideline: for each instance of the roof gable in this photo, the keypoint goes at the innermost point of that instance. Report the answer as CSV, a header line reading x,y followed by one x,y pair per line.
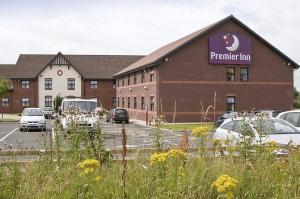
x,y
158,55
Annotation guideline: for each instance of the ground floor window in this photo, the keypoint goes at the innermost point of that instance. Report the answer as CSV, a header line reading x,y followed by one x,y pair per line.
x,y
142,103
25,101
230,101
128,102
4,101
48,101
123,102
114,102
118,102
134,103
152,103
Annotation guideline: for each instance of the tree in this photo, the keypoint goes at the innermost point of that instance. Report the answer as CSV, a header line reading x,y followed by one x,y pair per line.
x,y
4,89
57,102
296,93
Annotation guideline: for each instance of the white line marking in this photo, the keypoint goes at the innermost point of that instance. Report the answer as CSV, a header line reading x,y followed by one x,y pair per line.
x,y
8,134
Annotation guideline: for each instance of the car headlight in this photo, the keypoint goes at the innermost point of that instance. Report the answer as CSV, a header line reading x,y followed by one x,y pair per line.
x,y
42,122
23,122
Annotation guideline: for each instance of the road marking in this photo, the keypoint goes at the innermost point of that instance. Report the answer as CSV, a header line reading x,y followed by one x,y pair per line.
x,y
8,134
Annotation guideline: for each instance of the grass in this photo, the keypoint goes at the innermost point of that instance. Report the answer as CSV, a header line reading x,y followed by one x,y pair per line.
x,y
172,174
184,126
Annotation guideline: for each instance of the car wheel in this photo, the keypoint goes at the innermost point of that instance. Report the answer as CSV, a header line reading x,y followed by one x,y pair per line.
x,y
127,121
21,129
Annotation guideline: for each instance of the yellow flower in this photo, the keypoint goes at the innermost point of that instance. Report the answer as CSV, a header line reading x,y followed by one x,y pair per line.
x,y
225,185
158,158
89,163
177,153
98,178
201,131
217,142
88,166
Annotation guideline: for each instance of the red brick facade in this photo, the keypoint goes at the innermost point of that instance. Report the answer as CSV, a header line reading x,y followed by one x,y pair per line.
x,y
186,78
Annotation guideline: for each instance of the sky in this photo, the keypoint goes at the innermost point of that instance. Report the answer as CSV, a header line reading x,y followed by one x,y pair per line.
x,y
135,27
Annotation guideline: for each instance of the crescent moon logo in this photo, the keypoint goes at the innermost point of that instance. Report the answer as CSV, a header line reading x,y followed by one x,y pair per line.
x,y
233,40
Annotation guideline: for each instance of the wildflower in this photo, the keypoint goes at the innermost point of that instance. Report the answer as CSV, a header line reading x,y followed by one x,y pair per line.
x,y
272,146
217,142
158,158
89,163
98,178
177,153
201,131
225,185
88,166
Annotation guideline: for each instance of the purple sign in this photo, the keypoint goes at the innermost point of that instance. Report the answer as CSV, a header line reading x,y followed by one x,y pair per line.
x,y
229,48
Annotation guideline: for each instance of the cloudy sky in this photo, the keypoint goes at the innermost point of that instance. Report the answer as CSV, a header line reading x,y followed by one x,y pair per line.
x,y
135,27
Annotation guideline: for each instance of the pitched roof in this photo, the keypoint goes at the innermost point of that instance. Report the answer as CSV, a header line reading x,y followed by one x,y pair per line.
x,y
6,70
161,53
89,66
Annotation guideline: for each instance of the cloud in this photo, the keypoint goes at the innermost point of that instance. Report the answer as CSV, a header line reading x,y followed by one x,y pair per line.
x,y
135,27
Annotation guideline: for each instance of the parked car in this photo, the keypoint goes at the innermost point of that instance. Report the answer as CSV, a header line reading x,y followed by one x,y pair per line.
x,y
274,129
119,115
292,117
32,118
269,113
227,115
48,112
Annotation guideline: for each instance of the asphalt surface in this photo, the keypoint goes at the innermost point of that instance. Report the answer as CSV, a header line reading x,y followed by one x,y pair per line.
x,y
137,137
11,138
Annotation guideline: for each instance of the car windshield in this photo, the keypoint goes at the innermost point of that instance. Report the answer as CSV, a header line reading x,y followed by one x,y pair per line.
x,y
84,106
47,109
274,126
121,111
32,112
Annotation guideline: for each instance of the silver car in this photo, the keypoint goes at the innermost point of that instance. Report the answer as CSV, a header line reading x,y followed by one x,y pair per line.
x,y
32,118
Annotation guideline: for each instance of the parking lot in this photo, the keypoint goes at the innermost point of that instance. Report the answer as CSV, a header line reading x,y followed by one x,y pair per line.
x,y
138,136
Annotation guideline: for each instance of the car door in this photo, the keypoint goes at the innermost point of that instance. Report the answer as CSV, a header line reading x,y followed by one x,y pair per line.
x,y
293,118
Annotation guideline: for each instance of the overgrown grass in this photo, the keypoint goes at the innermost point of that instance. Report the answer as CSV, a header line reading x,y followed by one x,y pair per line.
x,y
185,126
42,179
173,174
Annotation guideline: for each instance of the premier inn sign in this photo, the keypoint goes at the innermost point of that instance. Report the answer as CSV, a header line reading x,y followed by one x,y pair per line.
x,y
229,48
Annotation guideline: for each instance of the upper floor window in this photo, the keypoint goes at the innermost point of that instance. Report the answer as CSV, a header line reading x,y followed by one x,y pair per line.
x,y
134,78
142,77
230,103
25,101
152,103
142,103
152,76
230,74
48,83
118,82
94,84
128,80
71,84
244,74
25,84
4,101
123,81
114,83
48,101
